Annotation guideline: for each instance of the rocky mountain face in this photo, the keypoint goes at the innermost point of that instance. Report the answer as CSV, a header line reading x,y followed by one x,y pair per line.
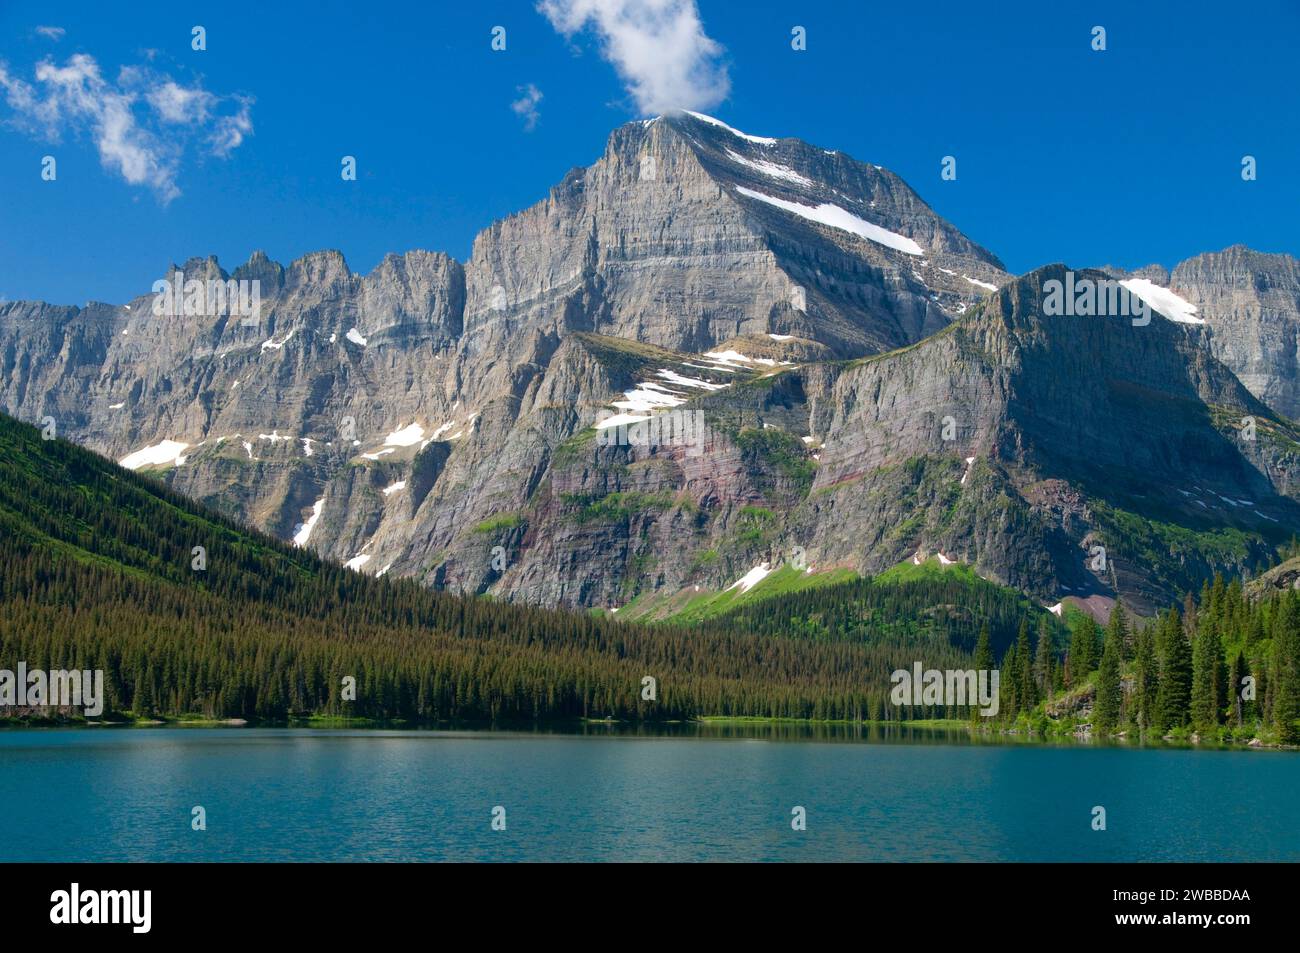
x,y
1016,443
1250,302
705,354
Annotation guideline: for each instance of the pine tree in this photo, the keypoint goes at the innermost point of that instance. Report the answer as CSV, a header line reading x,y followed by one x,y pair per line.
x,y
1146,678
143,703
1286,672
1027,691
1083,645
1173,698
1106,708
1236,673
983,662
983,651
1011,682
1207,677
1117,629
1044,660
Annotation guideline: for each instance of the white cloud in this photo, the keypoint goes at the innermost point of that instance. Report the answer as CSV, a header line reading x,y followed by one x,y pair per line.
x,y
140,125
54,33
231,130
526,105
658,47
175,103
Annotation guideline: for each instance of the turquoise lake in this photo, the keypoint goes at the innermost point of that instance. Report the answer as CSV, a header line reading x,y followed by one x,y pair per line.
x,y
97,794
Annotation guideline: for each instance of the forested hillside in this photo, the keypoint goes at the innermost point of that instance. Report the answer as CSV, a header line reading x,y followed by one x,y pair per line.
x,y
97,570
1221,667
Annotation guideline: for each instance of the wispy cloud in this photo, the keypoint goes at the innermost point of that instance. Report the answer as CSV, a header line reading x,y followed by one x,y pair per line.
x,y
658,47
54,33
141,125
526,105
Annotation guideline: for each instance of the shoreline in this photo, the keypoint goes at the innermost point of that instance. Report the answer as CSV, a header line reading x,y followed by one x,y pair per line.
x,y
824,729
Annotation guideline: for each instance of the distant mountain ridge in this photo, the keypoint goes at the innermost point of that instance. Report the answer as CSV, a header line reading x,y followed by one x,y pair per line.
x,y
1251,304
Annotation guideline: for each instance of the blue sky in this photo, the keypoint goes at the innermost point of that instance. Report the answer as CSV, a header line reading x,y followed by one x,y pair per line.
x,y
1127,156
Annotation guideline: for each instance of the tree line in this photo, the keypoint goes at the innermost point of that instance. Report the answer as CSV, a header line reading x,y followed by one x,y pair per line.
x,y
1220,666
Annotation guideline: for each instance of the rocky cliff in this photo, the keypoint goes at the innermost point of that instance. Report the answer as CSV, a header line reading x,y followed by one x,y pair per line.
x,y
1250,303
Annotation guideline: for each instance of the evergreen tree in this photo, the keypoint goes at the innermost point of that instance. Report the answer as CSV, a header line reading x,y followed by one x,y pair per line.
x,y
1236,673
1286,672
1106,708
143,703
1027,691
1011,682
983,662
1044,660
1173,698
1117,629
1146,678
1083,650
1207,677
983,651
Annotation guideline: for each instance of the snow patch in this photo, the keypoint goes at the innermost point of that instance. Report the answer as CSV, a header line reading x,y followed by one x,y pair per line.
x,y
836,217
442,429
1172,306
355,337
966,473
674,378
405,437
780,337
732,361
770,169
356,562
1056,609
761,140
167,452
117,406
271,343
394,487
751,578
726,357
983,284
648,396
618,420
302,532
